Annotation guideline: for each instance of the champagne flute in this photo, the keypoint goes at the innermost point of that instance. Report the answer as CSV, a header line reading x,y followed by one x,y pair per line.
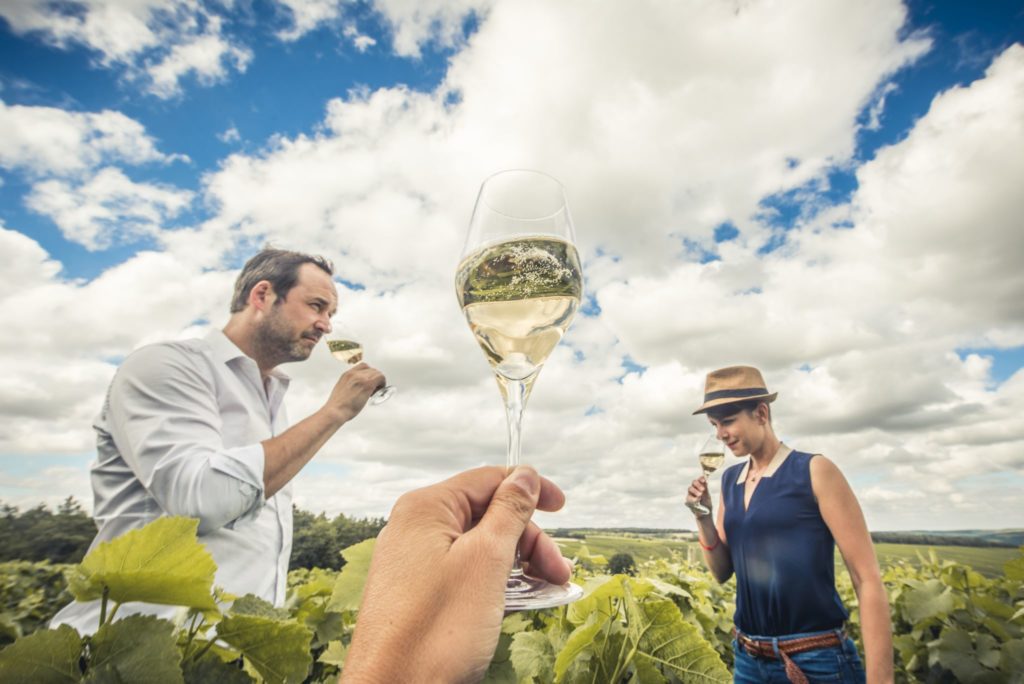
x,y
351,352
519,284
711,456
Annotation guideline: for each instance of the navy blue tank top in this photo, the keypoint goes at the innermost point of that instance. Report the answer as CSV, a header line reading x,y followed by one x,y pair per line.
x,y
782,552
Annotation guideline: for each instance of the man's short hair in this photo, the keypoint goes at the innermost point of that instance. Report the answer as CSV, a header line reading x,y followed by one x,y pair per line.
x,y
280,267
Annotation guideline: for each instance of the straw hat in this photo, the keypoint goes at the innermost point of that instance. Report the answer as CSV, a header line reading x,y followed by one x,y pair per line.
x,y
734,384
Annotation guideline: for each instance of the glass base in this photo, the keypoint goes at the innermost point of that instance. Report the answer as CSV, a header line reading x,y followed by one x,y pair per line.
x,y
382,395
527,593
699,508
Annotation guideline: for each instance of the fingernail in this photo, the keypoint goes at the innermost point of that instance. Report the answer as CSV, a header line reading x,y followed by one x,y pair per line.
x,y
526,478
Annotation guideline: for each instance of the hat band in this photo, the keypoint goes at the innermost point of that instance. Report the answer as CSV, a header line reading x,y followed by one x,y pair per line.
x,y
735,394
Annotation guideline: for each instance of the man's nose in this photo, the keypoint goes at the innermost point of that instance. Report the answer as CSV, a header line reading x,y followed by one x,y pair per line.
x,y
324,324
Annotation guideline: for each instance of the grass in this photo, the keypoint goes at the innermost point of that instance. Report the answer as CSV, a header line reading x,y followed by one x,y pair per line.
x,y
986,560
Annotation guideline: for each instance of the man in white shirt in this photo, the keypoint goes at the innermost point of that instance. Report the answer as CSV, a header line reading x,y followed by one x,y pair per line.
x,y
197,428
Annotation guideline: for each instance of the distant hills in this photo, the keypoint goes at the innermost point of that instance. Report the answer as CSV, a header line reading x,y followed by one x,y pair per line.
x,y
1005,538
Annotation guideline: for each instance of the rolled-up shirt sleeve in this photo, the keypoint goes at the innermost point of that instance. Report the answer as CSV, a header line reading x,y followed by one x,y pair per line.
x,y
165,421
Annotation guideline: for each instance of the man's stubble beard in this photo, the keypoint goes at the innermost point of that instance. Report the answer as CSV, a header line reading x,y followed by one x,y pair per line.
x,y
275,341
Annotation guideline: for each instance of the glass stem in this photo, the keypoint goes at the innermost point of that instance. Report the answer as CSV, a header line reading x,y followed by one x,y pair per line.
x,y
515,402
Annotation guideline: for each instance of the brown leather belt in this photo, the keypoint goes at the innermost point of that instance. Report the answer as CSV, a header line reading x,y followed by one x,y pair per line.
x,y
764,649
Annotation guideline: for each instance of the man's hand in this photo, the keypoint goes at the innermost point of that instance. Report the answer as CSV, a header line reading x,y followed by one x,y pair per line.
x,y
353,389
435,593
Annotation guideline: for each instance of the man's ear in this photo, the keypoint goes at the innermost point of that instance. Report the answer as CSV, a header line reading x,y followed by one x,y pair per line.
x,y
262,296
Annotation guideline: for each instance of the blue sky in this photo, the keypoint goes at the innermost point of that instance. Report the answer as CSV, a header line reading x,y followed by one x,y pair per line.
x,y
822,190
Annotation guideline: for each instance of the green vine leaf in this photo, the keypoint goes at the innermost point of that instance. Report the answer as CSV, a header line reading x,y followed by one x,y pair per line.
x,y
348,588
45,657
211,668
931,599
661,635
137,648
161,563
278,649
532,656
580,644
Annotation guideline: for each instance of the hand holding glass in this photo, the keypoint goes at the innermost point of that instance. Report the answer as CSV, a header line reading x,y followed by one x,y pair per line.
x,y
351,352
519,284
712,456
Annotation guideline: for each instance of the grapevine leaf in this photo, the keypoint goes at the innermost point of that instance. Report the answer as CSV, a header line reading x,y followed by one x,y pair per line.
x,y
250,604
137,648
277,649
532,656
988,650
500,671
667,588
334,654
348,588
514,622
646,672
46,656
162,562
1014,569
580,643
955,652
1011,656
931,599
659,633
993,606
210,668
598,595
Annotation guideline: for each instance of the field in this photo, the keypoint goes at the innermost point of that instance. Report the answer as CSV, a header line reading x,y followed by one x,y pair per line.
x,y
986,560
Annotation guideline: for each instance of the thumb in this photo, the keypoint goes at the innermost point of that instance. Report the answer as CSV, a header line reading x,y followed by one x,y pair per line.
x,y
511,507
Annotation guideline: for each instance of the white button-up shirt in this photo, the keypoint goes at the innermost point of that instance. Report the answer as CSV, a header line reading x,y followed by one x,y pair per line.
x,y
180,434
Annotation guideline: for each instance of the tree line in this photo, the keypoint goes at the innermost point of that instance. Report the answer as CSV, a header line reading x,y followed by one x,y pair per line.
x,y
63,535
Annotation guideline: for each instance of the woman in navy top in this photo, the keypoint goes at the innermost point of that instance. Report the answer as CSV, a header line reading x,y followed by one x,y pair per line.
x,y
783,513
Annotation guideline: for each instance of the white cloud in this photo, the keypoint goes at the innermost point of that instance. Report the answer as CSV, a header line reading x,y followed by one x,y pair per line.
x,y
361,41
307,15
156,41
107,208
417,22
231,135
47,140
663,120
210,56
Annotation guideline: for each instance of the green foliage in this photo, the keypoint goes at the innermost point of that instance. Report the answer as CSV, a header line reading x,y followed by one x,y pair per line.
x,y
137,648
275,645
318,542
669,623
30,594
348,589
622,564
162,563
45,657
39,534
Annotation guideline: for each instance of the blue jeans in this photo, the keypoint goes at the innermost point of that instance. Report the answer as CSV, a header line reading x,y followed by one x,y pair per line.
x,y
833,664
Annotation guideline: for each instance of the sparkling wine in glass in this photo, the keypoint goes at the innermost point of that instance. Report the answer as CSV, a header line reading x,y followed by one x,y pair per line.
x,y
711,456
519,284
351,352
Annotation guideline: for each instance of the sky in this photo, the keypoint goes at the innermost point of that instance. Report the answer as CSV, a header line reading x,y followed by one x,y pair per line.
x,y
830,191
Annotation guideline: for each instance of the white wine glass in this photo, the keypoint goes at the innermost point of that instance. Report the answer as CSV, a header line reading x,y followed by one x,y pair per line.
x,y
519,283
711,455
344,347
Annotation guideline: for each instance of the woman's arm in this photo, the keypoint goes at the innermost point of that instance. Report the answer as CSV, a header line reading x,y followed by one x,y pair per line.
x,y
843,515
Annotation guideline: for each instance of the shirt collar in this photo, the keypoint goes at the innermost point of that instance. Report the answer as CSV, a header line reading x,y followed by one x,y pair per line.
x,y
225,351
780,456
